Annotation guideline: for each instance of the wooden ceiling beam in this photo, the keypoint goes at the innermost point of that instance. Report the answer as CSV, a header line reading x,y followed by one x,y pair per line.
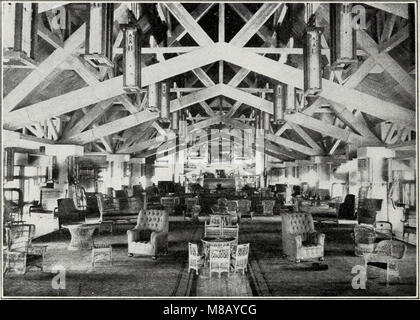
x,y
387,63
331,91
109,88
254,24
355,123
189,23
291,144
112,127
306,137
221,51
45,6
244,13
392,42
92,115
325,128
399,9
197,14
59,55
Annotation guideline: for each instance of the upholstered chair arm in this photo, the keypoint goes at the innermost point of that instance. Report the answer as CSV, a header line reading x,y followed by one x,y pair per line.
x,y
298,241
133,234
158,239
320,239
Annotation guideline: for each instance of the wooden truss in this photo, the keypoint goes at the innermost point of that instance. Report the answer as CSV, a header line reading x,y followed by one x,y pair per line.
x,y
93,119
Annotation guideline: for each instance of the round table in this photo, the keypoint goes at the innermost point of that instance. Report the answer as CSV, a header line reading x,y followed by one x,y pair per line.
x,y
221,241
81,236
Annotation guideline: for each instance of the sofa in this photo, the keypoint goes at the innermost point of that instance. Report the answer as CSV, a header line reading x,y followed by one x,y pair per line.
x,y
300,239
150,235
115,209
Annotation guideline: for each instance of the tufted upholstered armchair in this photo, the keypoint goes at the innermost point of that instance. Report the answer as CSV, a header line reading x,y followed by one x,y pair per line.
x,y
150,235
300,240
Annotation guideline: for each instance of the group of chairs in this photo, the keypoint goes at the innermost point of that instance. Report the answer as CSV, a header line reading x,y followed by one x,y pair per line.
x,y
219,226
240,208
222,258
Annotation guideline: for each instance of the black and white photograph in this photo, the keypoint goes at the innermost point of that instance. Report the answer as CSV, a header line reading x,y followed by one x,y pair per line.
x,y
201,150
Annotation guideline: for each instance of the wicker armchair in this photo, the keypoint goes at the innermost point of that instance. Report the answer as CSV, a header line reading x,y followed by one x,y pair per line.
x,y
212,230
215,219
195,260
386,255
300,240
150,235
364,239
231,231
219,259
239,259
21,254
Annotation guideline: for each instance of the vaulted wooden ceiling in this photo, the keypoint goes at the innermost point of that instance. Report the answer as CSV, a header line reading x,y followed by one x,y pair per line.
x,y
223,59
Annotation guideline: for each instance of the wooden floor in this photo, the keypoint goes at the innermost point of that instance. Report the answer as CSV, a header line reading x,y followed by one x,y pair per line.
x,y
268,275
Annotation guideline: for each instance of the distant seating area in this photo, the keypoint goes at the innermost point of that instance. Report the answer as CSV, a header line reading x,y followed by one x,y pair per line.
x,y
221,251
112,209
